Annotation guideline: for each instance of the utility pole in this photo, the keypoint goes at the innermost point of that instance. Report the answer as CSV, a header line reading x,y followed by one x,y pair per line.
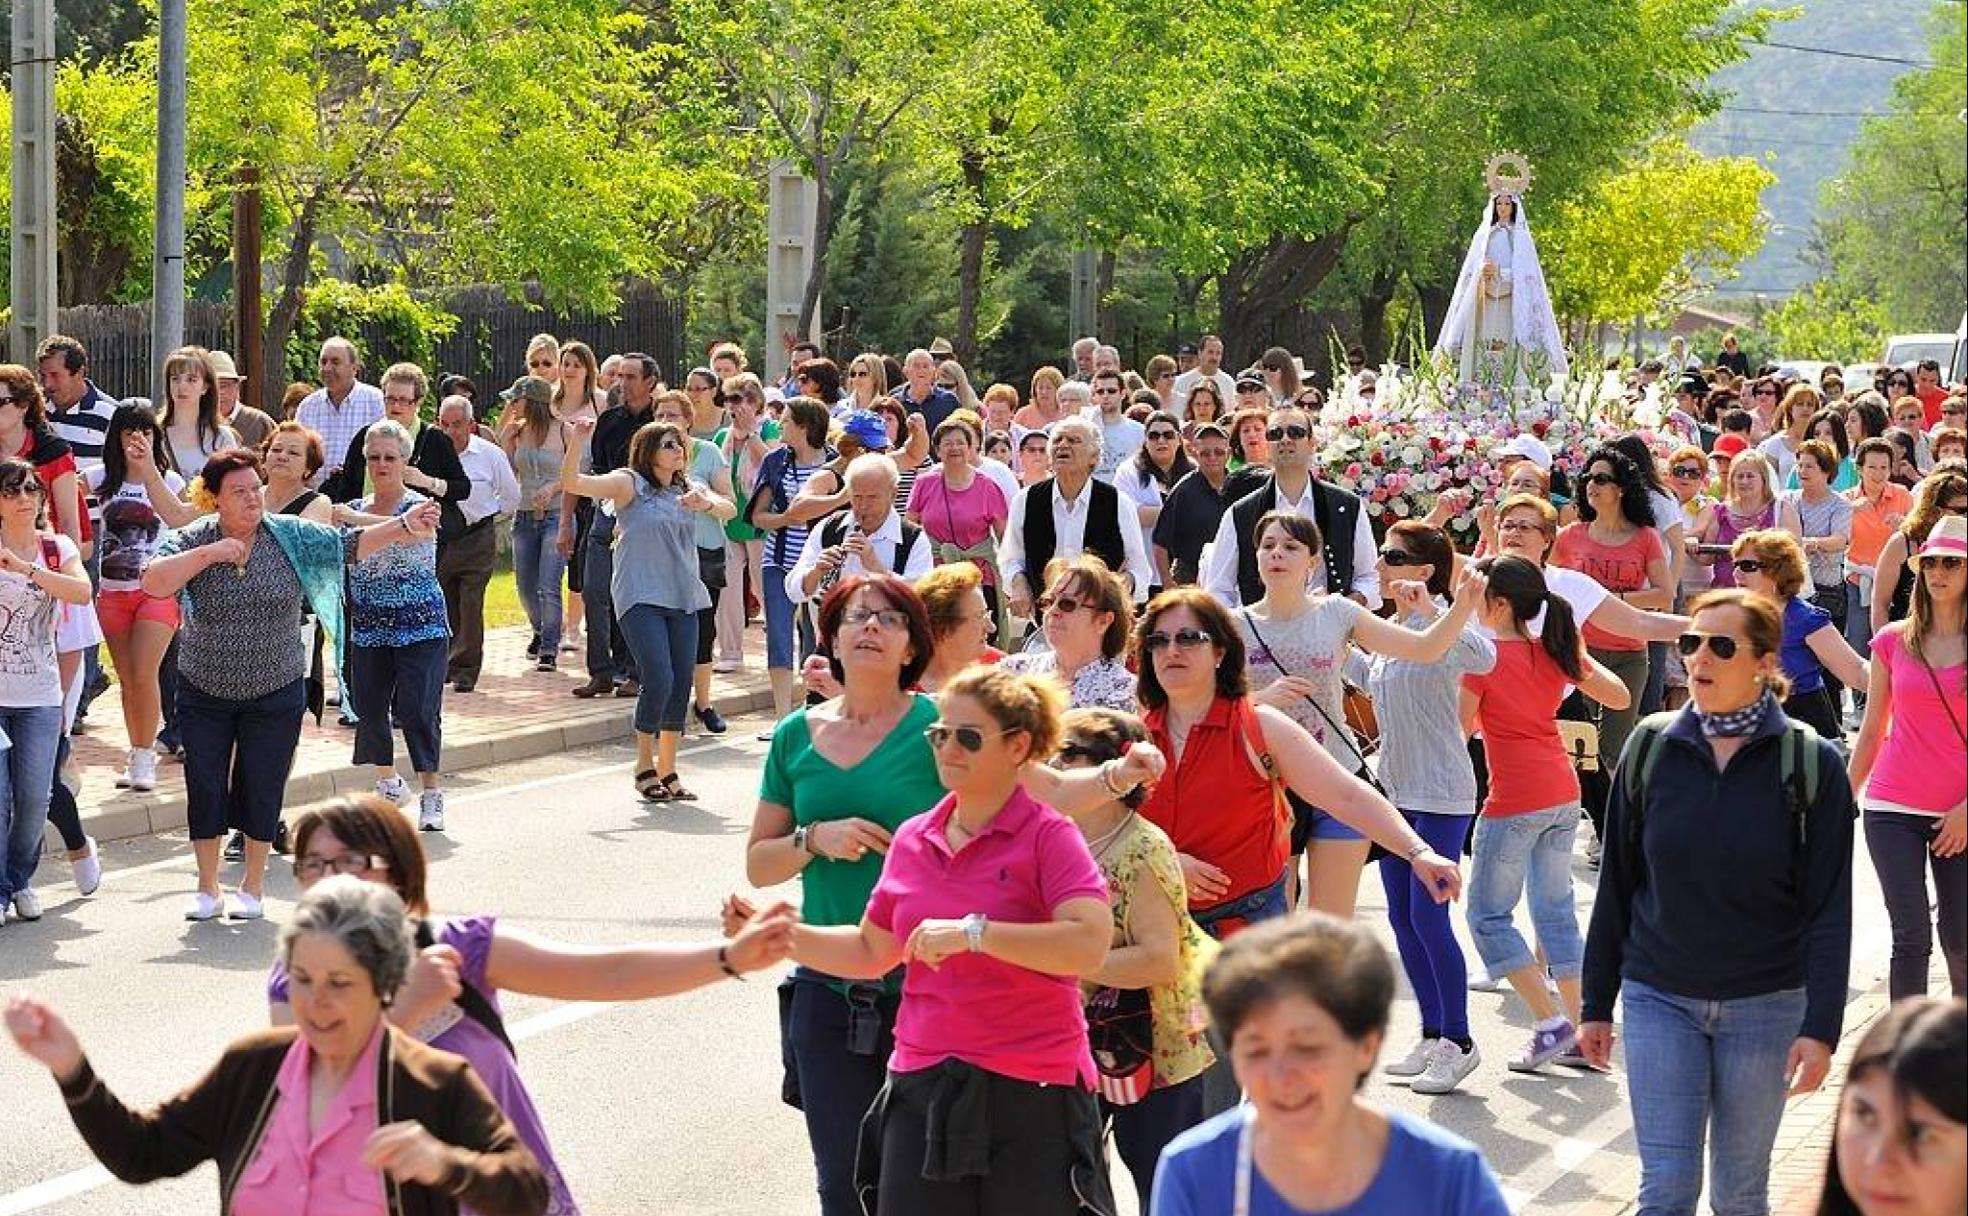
x,y
31,278
167,272
1082,295
792,213
248,321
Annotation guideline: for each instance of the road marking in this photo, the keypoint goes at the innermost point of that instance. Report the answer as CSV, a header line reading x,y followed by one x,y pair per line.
x,y
180,860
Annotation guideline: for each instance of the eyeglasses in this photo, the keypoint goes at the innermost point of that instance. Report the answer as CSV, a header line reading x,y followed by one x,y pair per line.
x,y
1163,436
1519,525
1399,557
1182,639
1294,431
311,868
949,384
1064,603
1107,391
969,738
391,399
26,489
1723,646
1601,479
1748,565
887,618
1366,390
8,400
1687,470
1948,563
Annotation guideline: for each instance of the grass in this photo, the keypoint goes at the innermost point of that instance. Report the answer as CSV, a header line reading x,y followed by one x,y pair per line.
x,y
502,597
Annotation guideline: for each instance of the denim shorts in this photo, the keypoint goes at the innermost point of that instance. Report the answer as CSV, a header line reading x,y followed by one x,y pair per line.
x,y
1309,823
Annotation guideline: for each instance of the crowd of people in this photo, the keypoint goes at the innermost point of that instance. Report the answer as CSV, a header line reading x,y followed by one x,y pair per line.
x,y
1135,683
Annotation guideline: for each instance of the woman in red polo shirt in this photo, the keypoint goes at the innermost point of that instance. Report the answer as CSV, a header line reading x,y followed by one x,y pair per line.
x,y
1222,800
996,908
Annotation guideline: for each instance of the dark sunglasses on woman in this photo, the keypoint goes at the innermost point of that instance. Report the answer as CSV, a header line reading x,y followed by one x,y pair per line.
x,y
1691,643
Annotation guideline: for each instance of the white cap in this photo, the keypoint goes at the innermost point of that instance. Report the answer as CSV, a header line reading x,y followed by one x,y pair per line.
x,y
223,367
1528,446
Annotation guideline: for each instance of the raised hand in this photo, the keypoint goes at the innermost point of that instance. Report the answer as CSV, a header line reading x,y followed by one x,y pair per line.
x,y
40,1033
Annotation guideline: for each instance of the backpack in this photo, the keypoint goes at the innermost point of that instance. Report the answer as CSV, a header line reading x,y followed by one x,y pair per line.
x,y
1797,769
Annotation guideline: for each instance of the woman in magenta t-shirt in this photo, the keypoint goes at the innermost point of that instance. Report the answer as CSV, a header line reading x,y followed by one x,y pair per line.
x,y
1907,763
960,508
995,906
1616,544
1525,834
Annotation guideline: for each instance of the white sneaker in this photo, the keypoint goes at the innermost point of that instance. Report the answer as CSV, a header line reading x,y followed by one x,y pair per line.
x,y
725,667
1478,982
246,907
129,767
430,811
27,905
143,770
1448,1064
89,870
203,907
3,915
1412,1064
396,789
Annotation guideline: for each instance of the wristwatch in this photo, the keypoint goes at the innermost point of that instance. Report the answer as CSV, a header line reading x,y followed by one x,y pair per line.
x,y
800,836
973,927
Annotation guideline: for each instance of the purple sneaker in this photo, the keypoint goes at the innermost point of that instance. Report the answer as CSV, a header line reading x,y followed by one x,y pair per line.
x,y
1545,1046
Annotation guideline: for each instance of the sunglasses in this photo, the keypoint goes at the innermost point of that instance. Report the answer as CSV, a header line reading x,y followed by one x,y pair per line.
x,y
1366,390
1687,470
1601,479
969,738
26,489
1064,603
1163,435
859,373
1689,644
1182,639
1398,558
1071,753
1949,563
1764,392
669,445
1748,565
7,400
1294,431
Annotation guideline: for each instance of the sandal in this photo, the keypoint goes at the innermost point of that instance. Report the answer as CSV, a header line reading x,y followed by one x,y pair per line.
x,y
651,787
673,786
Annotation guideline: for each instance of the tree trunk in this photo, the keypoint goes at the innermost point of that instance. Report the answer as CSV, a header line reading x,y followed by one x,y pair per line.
x,y
1103,291
1373,302
1435,301
970,255
287,309
1262,285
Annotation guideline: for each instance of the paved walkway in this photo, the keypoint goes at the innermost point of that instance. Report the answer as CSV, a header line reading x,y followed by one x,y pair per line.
x,y
514,713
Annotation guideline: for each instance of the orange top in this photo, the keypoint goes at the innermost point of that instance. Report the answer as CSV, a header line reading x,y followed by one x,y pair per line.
x,y
1873,523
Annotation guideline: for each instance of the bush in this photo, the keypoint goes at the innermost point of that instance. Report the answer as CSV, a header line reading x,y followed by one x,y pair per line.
x,y
387,324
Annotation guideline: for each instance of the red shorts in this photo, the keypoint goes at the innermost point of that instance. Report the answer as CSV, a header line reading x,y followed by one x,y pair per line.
x,y
119,611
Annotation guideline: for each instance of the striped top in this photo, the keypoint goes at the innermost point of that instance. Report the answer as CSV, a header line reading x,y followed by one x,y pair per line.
x,y
785,545
1423,763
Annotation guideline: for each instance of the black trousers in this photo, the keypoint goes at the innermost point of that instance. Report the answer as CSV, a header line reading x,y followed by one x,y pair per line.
x,y
1033,1155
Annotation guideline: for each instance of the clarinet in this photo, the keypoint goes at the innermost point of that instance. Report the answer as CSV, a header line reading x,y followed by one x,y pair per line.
x,y
833,575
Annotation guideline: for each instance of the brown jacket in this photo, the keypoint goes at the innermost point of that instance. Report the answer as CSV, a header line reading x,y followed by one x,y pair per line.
x,y
222,1117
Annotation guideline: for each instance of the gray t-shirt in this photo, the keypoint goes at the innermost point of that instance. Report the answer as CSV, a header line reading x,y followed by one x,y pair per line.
x,y
1312,645
1830,517
1422,763
656,552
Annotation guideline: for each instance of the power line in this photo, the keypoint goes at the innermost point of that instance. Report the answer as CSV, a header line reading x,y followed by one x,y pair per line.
x,y
1820,50
1838,113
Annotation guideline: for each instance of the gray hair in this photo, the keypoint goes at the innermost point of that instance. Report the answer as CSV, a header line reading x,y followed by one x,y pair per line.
x,y
392,430
368,920
1085,429
410,374
457,401
872,464
355,356
1087,345
1078,391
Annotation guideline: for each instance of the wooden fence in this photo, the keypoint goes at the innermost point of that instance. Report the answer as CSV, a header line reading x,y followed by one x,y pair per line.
x,y
488,345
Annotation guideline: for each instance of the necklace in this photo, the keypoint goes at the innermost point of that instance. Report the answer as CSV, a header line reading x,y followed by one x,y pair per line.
x,y
1099,846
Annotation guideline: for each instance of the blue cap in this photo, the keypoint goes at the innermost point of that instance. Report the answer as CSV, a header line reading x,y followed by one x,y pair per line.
x,y
867,428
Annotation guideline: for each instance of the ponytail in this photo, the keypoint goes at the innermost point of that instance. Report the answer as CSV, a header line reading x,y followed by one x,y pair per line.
x,y
1561,636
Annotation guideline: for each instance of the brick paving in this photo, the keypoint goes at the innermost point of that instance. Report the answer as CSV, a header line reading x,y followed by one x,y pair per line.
x,y
514,712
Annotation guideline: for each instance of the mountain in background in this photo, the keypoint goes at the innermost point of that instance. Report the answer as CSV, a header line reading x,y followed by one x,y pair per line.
x,y
1798,112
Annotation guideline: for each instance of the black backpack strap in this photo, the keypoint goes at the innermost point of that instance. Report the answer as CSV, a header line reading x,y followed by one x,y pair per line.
x,y
470,1000
902,551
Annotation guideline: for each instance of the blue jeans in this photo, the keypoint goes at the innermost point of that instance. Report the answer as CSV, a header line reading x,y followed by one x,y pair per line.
x,y
537,569
27,770
1711,1070
1429,952
1512,853
785,624
664,643
609,657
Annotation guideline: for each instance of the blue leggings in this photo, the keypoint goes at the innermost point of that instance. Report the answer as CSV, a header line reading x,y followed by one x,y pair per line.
x,y
664,643
1429,952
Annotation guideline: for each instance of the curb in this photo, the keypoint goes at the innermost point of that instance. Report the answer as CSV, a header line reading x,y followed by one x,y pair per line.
x,y
127,816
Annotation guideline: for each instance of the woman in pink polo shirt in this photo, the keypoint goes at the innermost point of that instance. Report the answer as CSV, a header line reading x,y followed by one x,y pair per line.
x,y
995,907
1907,763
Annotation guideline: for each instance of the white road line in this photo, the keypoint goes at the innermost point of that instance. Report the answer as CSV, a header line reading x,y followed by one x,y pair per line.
x,y
485,795
54,1190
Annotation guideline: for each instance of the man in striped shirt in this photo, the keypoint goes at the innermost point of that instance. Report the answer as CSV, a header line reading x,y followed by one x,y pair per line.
x,y
78,411
341,407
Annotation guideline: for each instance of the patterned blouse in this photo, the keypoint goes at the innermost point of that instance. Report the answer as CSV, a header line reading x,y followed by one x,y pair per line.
x,y
1101,684
1182,1047
394,599
242,638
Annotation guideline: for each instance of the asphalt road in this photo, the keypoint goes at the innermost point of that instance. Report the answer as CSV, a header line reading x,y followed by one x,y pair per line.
x,y
666,1107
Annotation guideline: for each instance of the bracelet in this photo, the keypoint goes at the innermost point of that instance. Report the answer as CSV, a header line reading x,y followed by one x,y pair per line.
x,y
405,521
1420,847
724,964
1107,779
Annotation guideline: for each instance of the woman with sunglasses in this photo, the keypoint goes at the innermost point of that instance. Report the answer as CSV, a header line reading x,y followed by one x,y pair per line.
x,y
1230,760
1750,503
450,996
1761,402
1942,493
1085,614
1907,763
867,379
1156,951
39,573
1158,464
1297,644
1034,458
656,589
1723,920
1815,654
1688,481
26,435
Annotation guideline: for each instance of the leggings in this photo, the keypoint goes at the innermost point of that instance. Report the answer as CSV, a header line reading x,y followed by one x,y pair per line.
x,y
1427,943
1898,843
62,811
664,643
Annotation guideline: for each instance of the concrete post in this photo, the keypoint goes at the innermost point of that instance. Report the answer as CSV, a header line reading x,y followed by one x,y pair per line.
x,y
792,207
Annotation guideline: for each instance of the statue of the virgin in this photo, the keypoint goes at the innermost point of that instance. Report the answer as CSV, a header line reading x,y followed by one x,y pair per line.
x,y
1500,332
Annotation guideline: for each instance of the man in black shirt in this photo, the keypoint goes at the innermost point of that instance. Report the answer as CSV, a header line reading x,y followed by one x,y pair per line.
x,y
1193,510
610,666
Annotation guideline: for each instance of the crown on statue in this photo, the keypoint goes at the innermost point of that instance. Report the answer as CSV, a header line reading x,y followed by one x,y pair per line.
x,y
1507,173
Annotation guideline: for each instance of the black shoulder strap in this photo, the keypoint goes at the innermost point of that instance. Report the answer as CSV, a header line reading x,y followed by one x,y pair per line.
x,y
902,551
471,1000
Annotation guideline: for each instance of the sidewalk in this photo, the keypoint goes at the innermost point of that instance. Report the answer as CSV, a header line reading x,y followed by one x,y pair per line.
x,y
514,713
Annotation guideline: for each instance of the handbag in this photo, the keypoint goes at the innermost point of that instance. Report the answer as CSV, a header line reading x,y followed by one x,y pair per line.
x,y
1121,1032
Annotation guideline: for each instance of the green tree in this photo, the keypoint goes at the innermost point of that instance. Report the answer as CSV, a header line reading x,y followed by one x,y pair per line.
x,y
1827,320
1896,221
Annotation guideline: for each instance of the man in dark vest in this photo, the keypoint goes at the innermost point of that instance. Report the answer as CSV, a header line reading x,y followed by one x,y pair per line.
x,y
1068,514
1349,543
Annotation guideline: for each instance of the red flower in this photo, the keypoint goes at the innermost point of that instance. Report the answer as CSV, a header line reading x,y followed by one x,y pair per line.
x,y
1540,427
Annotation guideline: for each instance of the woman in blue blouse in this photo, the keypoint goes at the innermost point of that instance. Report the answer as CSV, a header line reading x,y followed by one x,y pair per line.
x,y
399,640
